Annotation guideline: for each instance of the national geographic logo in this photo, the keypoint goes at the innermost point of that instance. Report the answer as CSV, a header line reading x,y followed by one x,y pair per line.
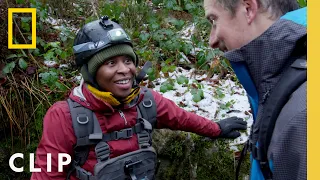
x,y
33,30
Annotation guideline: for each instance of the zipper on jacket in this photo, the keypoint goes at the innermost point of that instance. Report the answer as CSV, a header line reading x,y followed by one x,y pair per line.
x,y
83,100
123,117
265,96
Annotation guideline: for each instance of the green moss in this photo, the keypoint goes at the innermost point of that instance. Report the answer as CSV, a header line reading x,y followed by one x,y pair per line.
x,y
198,158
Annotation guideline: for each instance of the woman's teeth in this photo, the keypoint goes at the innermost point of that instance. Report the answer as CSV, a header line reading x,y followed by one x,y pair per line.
x,y
123,81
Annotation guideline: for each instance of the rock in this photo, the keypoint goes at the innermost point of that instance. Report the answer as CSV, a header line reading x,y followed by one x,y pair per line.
x,y
185,155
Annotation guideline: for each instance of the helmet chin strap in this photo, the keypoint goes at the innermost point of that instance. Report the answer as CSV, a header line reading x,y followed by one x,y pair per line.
x,y
135,84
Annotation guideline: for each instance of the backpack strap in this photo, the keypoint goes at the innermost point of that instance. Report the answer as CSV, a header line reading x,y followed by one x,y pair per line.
x,y
147,114
87,130
143,72
148,107
289,82
85,124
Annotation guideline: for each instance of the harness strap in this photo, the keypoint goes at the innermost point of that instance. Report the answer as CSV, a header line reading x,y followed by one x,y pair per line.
x,y
265,169
289,82
148,107
85,122
144,140
83,174
144,137
143,72
116,135
88,132
242,155
128,132
94,137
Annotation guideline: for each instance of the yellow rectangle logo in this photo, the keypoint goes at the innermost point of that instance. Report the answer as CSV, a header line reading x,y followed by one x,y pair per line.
x,y
33,31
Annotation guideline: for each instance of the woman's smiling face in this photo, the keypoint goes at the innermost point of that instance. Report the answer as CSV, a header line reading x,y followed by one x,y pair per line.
x,y
116,75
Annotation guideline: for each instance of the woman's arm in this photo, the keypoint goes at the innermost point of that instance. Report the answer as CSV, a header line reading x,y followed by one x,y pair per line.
x,y
57,137
170,116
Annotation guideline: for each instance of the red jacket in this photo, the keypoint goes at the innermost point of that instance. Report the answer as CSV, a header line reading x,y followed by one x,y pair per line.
x,y
58,135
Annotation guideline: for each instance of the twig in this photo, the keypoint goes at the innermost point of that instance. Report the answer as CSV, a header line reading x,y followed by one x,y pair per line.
x,y
39,93
65,85
43,94
29,54
94,9
4,103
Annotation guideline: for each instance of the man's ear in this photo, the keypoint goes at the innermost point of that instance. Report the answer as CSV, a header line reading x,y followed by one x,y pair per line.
x,y
251,7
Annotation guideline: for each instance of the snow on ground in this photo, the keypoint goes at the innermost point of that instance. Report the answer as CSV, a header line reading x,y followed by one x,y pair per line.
x,y
77,78
187,32
234,102
63,66
58,24
50,63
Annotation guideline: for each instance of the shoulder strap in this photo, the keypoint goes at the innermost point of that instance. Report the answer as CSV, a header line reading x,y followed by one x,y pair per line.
x,y
290,81
87,130
85,124
143,72
148,107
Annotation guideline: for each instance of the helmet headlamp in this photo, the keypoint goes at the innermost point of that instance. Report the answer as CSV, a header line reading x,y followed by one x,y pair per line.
x,y
114,36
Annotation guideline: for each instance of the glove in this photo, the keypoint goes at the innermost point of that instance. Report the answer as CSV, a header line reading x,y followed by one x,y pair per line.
x,y
229,127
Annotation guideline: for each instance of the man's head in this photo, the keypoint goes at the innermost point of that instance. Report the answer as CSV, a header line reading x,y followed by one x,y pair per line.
x,y
105,55
237,22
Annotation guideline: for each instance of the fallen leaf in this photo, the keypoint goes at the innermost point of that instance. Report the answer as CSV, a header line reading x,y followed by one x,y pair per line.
x,y
3,79
194,86
31,70
178,94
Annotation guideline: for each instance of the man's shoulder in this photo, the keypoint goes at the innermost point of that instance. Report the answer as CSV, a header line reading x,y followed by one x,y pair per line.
x,y
294,111
298,99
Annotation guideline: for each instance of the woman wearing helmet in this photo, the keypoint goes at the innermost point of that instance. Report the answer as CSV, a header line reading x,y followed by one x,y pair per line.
x,y
108,63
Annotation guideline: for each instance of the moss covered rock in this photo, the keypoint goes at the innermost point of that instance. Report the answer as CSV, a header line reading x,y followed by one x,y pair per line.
x,y
185,155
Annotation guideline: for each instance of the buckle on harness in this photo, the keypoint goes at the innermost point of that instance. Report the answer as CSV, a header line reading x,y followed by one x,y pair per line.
x,y
82,119
128,168
146,104
145,124
123,134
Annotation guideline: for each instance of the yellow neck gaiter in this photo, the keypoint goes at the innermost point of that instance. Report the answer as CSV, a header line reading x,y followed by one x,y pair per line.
x,y
110,99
